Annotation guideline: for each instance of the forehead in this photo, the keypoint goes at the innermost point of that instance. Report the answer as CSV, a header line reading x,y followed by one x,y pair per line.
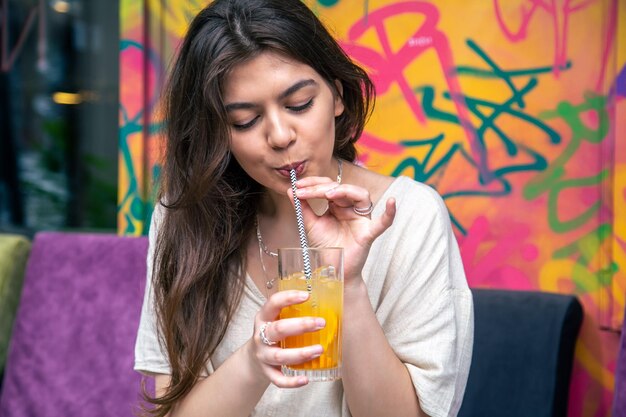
x,y
267,72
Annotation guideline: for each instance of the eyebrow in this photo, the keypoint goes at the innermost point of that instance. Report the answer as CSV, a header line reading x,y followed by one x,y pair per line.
x,y
289,91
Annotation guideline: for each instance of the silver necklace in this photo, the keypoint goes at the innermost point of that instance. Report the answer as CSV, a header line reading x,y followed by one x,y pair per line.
x,y
262,245
269,284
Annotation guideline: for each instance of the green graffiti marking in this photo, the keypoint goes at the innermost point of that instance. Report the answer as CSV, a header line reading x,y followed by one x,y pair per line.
x,y
558,225
420,168
551,180
488,113
499,73
328,3
585,250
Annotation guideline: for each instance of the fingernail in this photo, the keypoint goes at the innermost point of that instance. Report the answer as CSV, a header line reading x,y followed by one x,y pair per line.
x,y
302,380
320,323
303,295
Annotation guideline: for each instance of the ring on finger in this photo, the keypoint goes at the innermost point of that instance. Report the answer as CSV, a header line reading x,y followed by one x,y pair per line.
x,y
364,211
262,335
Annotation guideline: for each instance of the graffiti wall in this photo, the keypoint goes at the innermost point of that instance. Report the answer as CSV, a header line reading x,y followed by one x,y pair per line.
x,y
515,111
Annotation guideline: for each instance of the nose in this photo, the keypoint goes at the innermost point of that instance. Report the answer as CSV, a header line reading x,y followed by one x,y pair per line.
x,y
280,133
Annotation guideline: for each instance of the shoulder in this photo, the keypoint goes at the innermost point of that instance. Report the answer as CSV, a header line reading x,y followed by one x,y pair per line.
x,y
415,200
403,189
376,184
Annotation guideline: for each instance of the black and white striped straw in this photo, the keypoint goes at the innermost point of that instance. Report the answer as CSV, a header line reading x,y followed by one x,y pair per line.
x,y
304,244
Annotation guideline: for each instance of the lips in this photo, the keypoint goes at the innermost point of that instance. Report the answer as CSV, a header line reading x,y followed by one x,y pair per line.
x,y
285,169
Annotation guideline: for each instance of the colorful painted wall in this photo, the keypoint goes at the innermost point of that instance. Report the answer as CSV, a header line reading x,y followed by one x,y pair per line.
x,y
515,111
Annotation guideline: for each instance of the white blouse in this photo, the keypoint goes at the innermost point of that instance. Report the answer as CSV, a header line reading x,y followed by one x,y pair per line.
x,y
418,290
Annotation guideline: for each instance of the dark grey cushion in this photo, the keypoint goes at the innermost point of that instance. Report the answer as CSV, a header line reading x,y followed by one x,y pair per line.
x,y
523,353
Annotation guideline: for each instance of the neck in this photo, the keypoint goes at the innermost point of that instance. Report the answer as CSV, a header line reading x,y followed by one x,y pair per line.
x,y
275,206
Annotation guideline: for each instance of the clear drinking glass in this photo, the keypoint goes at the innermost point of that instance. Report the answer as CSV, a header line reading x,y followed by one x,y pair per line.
x,y
326,300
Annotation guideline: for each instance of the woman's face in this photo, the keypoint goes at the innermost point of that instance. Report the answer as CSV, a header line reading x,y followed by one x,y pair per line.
x,y
282,115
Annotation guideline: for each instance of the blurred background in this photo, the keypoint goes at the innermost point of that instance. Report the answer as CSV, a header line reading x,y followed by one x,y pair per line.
x,y
59,85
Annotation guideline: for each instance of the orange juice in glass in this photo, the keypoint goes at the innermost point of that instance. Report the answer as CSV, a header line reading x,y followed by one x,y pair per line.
x,y
325,300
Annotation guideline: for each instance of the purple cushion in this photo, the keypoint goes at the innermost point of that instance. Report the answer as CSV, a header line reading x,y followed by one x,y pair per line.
x,y
72,348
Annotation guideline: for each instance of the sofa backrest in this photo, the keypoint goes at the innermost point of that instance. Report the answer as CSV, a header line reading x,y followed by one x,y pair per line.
x,y
523,354
72,348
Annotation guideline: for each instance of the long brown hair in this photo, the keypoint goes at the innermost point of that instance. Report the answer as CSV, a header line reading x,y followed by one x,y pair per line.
x,y
209,201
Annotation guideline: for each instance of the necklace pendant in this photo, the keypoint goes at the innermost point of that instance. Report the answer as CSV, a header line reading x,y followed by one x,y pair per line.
x,y
269,284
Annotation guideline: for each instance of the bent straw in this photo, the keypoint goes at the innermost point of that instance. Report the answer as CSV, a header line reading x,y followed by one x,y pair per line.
x,y
304,244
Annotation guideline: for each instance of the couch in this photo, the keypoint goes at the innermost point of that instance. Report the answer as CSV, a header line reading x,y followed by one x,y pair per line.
x,y
14,251
524,344
71,353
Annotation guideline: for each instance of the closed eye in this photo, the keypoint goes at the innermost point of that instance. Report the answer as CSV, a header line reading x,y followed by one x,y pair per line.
x,y
295,109
245,126
299,109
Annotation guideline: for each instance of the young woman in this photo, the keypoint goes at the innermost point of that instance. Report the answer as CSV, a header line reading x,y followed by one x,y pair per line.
x,y
259,87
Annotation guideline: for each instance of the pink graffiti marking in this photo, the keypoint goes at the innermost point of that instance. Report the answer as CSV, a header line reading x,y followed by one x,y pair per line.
x,y
608,43
560,11
8,58
387,68
590,119
378,145
619,236
143,74
493,269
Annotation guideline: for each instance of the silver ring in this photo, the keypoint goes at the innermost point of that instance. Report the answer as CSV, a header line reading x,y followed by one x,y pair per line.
x,y
264,338
364,211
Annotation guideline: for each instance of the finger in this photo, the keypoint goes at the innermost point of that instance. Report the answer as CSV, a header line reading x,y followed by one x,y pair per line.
x,y
280,329
382,223
311,181
282,381
316,191
348,195
272,307
295,356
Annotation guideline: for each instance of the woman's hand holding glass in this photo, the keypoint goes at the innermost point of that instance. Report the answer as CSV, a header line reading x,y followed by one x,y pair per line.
x,y
266,352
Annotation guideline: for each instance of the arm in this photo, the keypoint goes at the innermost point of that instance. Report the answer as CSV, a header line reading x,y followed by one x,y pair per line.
x,y
378,387
416,345
376,382
425,308
236,387
208,396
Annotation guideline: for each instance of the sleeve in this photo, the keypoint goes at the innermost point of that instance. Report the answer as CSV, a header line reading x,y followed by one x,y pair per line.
x,y
427,310
149,357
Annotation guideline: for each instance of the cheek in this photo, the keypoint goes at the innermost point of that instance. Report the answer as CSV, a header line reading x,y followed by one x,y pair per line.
x,y
240,152
242,143
323,125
